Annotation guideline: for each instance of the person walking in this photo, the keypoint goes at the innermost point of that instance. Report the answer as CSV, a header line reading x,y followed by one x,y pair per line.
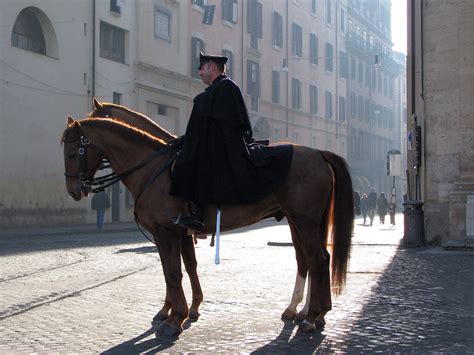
x,y
371,205
356,198
100,202
382,207
364,206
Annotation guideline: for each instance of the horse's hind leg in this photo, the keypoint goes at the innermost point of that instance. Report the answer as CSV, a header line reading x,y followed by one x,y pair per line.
x,y
318,263
290,312
325,294
189,258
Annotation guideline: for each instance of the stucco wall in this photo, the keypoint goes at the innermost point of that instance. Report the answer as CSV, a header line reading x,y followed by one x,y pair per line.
x,y
448,102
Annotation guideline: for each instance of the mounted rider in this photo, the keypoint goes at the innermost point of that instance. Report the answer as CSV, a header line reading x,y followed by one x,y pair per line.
x,y
215,166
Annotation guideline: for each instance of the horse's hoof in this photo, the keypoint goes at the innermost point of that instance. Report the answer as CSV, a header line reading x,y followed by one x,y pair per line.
x,y
288,315
300,317
158,320
160,317
306,327
319,324
167,331
194,315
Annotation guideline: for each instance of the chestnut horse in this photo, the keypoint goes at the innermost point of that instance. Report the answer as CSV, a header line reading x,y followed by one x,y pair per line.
x,y
316,199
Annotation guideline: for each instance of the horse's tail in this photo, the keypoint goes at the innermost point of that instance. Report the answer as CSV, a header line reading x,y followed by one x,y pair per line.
x,y
342,219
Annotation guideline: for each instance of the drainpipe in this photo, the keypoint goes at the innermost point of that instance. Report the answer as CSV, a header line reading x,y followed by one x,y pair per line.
x,y
93,49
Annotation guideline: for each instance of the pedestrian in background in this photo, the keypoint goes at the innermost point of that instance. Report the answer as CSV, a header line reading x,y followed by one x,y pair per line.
x,y
392,207
371,204
382,207
100,202
356,203
364,206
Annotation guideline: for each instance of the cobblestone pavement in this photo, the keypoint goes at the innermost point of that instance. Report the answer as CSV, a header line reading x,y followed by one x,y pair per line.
x,y
73,290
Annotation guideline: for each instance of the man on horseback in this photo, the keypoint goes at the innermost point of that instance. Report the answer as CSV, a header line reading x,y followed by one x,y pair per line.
x,y
211,167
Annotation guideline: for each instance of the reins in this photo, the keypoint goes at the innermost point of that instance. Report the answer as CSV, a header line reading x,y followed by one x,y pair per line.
x,y
95,185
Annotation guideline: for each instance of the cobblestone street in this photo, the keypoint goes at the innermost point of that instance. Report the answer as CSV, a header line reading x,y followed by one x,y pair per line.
x,y
76,290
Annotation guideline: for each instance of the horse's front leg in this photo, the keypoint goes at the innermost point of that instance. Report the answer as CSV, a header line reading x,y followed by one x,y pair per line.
x,y
163,313
170,255
190,263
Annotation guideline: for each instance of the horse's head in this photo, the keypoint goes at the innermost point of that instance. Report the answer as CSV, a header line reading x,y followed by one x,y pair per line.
x,y
101,110
81,160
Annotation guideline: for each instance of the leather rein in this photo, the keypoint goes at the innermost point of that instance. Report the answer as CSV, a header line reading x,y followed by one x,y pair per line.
x,y
94,185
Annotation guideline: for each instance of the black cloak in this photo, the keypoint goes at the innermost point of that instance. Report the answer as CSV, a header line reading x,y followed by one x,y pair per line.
x,y
214,166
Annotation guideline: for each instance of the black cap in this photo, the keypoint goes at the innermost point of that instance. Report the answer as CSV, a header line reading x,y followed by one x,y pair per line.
x,y
203,59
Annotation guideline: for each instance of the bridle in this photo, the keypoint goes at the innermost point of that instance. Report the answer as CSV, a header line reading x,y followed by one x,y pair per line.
x,y
94,185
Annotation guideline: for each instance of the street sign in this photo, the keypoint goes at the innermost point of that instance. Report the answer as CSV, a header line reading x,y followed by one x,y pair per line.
x,y
394,163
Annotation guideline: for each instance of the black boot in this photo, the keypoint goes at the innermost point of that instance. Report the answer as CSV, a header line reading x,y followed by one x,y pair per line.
x,y
194,219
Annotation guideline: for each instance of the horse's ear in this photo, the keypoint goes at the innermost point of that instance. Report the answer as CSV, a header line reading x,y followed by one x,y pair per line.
x,y
70,120
96,103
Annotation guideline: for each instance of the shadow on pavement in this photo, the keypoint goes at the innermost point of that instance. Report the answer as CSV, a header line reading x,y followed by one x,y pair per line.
x,y
29,240
140,250
298,344
422,303
134,346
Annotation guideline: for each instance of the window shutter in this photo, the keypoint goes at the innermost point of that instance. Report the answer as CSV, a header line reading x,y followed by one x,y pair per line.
x,y
259,20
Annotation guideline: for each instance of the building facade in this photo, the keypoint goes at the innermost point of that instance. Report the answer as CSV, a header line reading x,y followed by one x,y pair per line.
x,y
370,92
291,59
440,91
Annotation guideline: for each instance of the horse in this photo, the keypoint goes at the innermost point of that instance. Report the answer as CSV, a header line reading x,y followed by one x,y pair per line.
x,y
316,198
140,121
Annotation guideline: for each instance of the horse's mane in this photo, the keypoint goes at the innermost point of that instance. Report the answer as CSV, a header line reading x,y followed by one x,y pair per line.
x,y
132,112
124,130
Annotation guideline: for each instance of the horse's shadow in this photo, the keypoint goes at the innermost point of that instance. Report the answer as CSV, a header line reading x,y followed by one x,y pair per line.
x,y
150,346
299,344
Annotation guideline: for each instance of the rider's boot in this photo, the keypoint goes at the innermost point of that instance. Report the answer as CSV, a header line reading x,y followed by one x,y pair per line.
x,y
194,220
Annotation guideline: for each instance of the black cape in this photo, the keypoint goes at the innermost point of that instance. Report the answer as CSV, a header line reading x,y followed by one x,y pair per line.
x,y
215,165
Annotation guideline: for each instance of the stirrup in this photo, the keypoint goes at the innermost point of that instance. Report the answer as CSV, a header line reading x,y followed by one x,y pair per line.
x,y
191,222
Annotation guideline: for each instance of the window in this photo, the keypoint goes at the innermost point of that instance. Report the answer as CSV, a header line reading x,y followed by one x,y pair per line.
x,y
329,58
199,2
162,24
230,62
361,71
116,6
275,86
353,104
343,21
353,68
313,48
342,109
277,30
295,94
197,46
297,40
313,6
117,98
229,10
254,22
343,64
313,99
328,104
328,12
112,42
253,83
27,32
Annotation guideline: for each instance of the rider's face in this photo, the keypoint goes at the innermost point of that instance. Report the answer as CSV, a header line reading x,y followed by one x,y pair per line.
x,y
206,73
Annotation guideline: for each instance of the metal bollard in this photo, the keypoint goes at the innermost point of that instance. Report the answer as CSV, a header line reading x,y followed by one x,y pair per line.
x,y
414,225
